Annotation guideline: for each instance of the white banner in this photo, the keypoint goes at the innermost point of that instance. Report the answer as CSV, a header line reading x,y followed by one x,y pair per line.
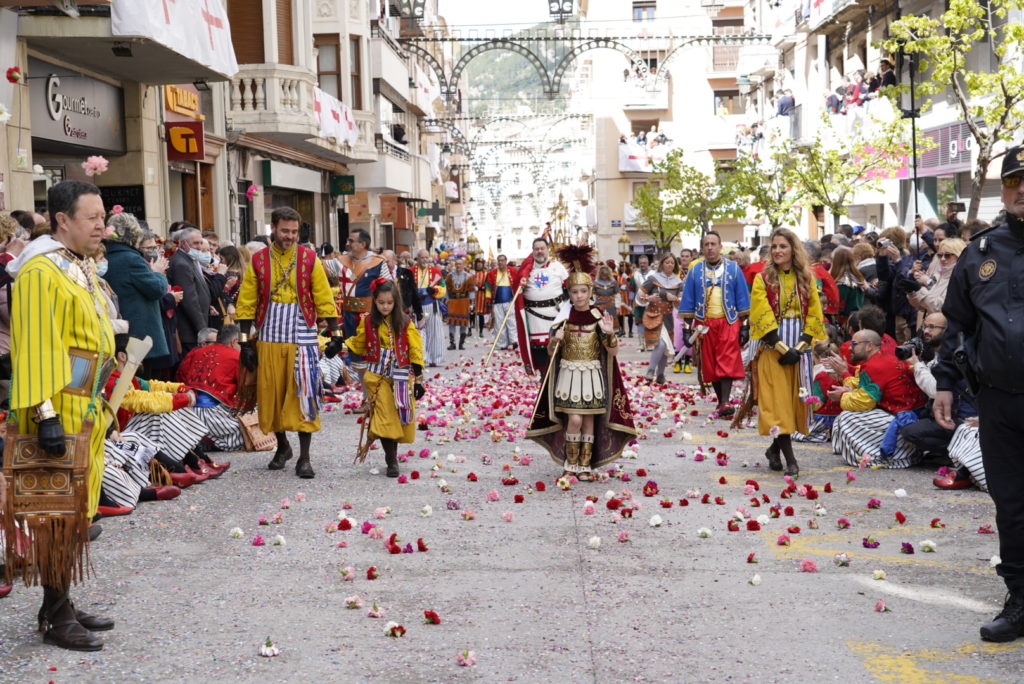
x,y
427,90
197,29
336,118
636,157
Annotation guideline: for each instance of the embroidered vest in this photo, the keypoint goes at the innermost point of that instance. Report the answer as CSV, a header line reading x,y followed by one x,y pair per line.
x,y
400,347
305,261
773,299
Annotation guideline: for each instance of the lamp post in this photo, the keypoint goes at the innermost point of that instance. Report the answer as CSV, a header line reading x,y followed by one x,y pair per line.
x,y
473,247
913,113
625,245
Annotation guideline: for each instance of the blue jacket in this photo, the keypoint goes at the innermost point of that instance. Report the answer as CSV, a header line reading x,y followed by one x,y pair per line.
x,y
735,295
139,291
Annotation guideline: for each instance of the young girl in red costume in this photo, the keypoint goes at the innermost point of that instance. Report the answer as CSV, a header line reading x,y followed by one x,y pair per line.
x,y
392,349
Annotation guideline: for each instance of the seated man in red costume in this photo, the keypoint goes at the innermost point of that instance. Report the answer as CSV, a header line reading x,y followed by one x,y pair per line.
x,y
212,372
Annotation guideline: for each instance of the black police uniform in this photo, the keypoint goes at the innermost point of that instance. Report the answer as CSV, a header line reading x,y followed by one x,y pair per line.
x,y
985,302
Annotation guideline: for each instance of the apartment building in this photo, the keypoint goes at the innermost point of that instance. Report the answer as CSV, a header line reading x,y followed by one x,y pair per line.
x,y
686,98
126,81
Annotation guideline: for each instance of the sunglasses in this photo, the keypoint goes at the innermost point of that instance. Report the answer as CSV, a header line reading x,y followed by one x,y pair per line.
x,y
1012,181
946,255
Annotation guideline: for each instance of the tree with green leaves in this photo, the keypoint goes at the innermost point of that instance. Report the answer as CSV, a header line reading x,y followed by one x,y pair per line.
x,y
768,187
834,166
680,198
989,98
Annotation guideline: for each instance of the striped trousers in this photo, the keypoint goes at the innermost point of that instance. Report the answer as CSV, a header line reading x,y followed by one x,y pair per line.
x,y
856,434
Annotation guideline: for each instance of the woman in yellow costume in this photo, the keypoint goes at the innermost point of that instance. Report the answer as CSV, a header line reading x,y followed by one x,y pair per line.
x,y
392,348
785,315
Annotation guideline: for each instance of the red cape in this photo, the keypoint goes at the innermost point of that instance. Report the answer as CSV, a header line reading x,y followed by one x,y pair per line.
x,y
524,339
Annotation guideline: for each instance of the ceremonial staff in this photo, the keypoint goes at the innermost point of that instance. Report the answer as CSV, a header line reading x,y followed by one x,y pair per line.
x,y
504,321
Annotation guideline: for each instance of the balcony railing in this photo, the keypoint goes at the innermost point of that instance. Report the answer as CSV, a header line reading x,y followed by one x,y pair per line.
x,y
390,149
377,30
273,88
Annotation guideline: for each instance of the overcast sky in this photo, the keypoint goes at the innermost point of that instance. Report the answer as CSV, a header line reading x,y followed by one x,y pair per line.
x,y
493,12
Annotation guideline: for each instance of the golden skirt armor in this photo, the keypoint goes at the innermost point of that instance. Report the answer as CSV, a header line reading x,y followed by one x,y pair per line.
x,y
580,386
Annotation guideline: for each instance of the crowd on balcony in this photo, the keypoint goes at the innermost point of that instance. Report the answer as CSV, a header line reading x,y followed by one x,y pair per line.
x,y
860,87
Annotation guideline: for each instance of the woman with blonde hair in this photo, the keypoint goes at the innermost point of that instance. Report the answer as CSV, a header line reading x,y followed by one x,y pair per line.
x,y
932,294
786,317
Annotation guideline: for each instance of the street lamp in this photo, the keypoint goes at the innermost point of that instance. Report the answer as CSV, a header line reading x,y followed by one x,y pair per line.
x,y
560,9
473,246
625,244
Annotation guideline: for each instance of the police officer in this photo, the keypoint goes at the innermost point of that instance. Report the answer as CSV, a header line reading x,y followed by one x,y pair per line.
x,y
985,302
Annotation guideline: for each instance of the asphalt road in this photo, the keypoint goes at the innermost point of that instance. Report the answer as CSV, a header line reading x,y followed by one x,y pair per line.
x,y
530,596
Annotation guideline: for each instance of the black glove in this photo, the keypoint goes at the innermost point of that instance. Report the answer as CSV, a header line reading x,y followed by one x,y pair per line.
x,y
744,334
418,391
247,355
51,436
334,347
417,369
791,357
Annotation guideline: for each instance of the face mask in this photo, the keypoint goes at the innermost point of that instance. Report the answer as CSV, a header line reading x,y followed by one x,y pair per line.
x,y
101,268
915,242
204,258
152,255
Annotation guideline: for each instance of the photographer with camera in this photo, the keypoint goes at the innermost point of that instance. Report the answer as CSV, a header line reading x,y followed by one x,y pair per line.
x,y
928,291
926,434
882,398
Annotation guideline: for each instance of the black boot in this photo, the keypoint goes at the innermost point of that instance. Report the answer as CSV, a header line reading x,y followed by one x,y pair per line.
x,y
302,467
93,623
462,340
1009,624
390,456
60,627
283,453
451,342
786,447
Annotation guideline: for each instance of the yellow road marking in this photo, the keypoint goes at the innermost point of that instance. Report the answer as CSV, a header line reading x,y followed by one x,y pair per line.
x,y
887,664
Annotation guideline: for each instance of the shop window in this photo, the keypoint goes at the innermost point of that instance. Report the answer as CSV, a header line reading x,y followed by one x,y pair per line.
x,y
328,63
728,102
643,10
355,66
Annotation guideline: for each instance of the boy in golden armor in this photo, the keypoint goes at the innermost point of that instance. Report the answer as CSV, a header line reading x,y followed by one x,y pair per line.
x,y
582,385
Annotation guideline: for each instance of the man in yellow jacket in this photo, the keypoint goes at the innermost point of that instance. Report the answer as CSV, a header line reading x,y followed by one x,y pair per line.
x,y
61,347
284,291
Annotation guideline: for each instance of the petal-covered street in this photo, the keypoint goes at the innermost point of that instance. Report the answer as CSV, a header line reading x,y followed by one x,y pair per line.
x,y
862,575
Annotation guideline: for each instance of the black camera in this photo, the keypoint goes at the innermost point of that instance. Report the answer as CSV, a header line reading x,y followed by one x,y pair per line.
x,y
914,346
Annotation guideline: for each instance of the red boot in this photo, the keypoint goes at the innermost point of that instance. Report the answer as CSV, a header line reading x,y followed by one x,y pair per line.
x,y
183,480
5,589
167,493
199,476
110,511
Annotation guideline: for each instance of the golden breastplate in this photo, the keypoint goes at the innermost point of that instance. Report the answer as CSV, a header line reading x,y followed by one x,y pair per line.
x,y
581,343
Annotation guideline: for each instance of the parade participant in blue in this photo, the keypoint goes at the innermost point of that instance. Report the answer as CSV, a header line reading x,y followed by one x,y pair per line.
x,y
500,282
360,268
715,295
431,290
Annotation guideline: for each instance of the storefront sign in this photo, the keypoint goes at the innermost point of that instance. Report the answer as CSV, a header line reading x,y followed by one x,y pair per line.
x,y
343,185
131,197
952,151
280,175
71,109
183,100
185,141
